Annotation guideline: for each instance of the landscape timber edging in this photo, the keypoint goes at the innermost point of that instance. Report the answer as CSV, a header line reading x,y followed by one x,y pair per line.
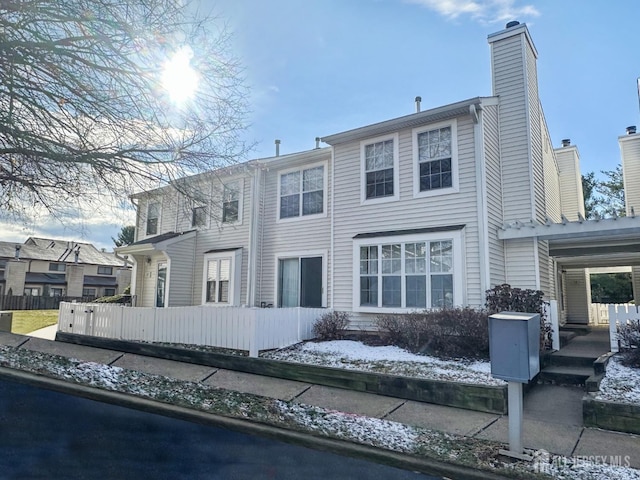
x,y
620,417
482,398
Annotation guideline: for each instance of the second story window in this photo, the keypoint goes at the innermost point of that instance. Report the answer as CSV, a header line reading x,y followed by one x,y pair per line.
x,y
435,159
199,217
379,158
302,192
231,203
153,214
57,267
104,270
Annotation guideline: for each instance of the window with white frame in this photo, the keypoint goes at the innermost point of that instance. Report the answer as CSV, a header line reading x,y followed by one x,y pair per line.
x,y
221,282
88,292
410,274
199,216
231,202
153,214
104,270
380,168
302,192
435,152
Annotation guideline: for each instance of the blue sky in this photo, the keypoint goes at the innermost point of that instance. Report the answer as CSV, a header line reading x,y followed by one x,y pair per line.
x,y
318,67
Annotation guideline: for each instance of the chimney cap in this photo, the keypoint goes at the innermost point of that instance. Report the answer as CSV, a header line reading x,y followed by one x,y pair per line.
x,y
566,142
513,23
631,129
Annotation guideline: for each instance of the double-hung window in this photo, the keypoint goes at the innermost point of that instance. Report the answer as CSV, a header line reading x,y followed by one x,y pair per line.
x,y
231,202
379,159
301,192
153,213
199,216
221,277
436,163
411,273
218,276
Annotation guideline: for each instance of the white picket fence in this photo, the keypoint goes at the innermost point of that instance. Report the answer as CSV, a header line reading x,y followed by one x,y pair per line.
x,y
620,314
239,328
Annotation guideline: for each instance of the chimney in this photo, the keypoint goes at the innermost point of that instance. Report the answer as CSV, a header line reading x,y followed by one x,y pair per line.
x,y
631,130
418,100
566,142
277,148
17,255
317,142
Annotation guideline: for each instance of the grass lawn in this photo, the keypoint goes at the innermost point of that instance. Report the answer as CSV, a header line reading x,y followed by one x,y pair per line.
x,y
26,321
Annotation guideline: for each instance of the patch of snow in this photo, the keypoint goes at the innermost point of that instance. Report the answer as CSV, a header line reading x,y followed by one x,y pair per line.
x,y
620,384
354,355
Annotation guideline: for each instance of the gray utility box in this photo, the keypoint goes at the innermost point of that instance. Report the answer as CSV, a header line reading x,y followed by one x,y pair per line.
x,y
6,318
514,346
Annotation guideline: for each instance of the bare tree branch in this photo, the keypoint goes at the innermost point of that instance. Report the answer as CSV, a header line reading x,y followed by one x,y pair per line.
x,y
83,112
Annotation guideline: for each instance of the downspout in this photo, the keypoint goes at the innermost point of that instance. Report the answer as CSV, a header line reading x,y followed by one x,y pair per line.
x,y
332,270
481,192
253,236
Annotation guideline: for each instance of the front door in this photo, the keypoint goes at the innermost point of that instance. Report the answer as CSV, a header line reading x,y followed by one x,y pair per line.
x,y
300,282
161,284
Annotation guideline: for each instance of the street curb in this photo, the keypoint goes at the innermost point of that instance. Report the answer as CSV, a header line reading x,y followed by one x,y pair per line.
x,y
341,447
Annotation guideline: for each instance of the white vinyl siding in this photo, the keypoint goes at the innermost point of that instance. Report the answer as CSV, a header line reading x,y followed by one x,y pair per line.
x,y
570,182
304,236
180,274
493,185
353,217
630,151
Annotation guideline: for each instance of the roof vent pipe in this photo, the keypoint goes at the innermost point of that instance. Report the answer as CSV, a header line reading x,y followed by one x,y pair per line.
x,y
317,142
513,23
418,100
277,148
18,252
566,142
631,130
77,254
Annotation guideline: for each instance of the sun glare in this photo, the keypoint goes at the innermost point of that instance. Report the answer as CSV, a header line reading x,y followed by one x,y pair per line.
x,y
178,77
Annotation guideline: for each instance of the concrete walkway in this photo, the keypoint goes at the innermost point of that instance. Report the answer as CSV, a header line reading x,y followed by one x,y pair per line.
x,y
552,414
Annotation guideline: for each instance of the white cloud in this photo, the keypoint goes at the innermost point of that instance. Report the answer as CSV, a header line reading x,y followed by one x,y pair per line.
x,y
485,11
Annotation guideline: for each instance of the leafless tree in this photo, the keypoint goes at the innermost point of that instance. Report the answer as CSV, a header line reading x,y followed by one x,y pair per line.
x,y
83,110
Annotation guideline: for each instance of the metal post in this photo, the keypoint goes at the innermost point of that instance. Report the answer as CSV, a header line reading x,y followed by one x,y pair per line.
x,y
515,422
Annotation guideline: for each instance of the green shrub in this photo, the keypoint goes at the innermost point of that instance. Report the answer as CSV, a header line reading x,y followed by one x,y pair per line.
x,y
114,299
445,333
504,298
629,339
331,325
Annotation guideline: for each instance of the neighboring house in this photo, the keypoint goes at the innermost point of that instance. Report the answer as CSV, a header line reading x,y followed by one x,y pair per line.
x,y
48,267
426,210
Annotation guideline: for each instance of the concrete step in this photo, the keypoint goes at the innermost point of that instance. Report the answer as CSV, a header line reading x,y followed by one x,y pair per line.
x,y
561,359
565,375
592,383
577,328
566,337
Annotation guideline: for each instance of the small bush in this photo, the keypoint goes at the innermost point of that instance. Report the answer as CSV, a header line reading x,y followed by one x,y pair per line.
x,y
504,298
331,325
114,299
629,338
445,333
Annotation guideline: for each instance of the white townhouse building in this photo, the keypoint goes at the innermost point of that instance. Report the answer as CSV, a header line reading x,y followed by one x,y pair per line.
x,y
422,211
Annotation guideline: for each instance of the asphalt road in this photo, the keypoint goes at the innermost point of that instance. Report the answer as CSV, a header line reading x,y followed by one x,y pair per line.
x,y
50,435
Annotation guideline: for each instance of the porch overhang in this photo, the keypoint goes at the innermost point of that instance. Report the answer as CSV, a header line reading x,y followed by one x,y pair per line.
x,y
153,244
583,243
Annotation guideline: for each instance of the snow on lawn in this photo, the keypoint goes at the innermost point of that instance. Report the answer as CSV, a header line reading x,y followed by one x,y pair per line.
x,y
620,384
353,355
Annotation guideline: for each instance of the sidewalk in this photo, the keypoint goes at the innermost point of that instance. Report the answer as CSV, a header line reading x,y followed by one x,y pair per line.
x,y
552,414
